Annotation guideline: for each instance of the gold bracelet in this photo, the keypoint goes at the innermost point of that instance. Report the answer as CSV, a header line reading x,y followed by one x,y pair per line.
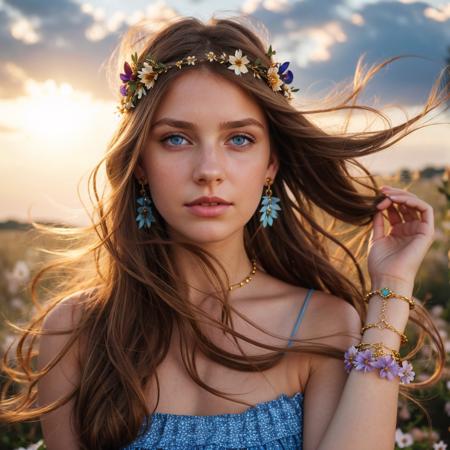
x,y
388,326
386,293
378,350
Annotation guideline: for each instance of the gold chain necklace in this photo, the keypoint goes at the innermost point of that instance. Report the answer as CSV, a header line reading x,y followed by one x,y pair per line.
x,y
247,279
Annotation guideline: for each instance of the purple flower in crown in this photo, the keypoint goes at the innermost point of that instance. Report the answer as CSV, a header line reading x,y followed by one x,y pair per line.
x,y
388,367
286,77
128,75
123,90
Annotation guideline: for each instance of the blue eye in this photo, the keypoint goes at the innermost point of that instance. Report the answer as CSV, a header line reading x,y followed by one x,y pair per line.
x,y
173,136
243,136
176,139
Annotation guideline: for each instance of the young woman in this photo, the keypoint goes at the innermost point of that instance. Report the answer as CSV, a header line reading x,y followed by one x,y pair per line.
x,y
212,255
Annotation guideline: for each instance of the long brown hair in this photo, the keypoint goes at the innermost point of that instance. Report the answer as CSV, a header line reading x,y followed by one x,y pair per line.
x,y
123,278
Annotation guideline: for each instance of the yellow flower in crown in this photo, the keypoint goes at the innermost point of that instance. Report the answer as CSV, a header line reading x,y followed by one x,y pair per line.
x,y
147,75
140,76
238,62
274,79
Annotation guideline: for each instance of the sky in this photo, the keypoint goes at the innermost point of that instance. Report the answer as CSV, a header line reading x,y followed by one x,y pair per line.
x,y
57,110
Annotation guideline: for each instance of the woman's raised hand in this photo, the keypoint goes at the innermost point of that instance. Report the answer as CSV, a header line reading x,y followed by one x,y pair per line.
x,y
399,253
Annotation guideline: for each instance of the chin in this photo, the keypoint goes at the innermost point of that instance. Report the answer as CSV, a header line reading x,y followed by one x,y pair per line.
x,y
206,233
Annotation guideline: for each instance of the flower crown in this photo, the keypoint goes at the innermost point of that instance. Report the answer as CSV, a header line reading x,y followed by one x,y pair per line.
x,y
139,77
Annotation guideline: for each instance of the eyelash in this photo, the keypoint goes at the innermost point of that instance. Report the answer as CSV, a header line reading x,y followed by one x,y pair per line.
x,y
250,138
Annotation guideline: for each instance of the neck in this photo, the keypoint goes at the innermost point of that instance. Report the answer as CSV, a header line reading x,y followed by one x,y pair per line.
x,y
232,256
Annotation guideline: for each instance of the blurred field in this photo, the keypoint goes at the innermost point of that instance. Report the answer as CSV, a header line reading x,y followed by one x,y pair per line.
x,y
19,260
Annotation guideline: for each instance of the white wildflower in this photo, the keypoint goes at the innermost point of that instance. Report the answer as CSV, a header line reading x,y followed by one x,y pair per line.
x,y
238,62
437,310
191,60
403,440
211,56
140,91
17,303
147,75
18,276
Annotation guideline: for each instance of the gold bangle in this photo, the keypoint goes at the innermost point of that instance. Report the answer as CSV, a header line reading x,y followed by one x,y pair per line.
x,y
388,326
386,293
378,350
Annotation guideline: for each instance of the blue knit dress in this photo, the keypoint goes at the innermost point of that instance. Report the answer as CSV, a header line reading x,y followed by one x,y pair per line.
x,y
270,425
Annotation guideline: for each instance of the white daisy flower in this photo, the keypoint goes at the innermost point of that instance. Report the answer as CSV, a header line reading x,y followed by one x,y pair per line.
x,y
190,60
403,440
211,56
238,62
147,75
274,79
441,445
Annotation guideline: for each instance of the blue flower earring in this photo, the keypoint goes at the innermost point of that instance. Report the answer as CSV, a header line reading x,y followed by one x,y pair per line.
x,y
145,216
270,206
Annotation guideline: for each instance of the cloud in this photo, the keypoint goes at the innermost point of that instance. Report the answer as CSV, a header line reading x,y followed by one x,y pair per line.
x,y
157,13
26,30
68,41
438,14
63,52
324,39
314,44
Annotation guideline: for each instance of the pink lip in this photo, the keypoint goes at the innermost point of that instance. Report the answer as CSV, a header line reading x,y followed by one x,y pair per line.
x,y
206,199
208,211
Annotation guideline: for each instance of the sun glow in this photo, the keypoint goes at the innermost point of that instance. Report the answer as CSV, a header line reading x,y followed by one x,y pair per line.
x,y
51,111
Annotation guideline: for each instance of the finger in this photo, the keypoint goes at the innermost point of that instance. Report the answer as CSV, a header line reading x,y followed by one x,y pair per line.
x,y
377,231
393,215
414,203
384,203
408,214
394,191
391,189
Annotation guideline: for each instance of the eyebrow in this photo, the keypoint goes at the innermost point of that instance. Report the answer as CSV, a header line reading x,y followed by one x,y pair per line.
x,y
222,125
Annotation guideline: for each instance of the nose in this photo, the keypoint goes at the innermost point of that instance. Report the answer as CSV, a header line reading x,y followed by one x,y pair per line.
x,y
208,167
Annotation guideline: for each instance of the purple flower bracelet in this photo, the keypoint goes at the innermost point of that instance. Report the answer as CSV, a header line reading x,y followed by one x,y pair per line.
x,y
367,361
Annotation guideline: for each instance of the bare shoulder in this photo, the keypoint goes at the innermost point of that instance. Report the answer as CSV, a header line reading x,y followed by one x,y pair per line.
x,y
65,316
63,373
66,313
333,315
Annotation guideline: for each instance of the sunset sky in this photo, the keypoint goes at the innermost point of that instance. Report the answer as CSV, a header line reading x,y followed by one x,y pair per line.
x,y
57,112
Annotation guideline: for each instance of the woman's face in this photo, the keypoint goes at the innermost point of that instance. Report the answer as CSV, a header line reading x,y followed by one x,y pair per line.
x,y
196,148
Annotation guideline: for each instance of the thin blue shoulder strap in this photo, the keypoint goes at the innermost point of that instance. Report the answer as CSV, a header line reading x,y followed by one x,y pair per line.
x,y
300,314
